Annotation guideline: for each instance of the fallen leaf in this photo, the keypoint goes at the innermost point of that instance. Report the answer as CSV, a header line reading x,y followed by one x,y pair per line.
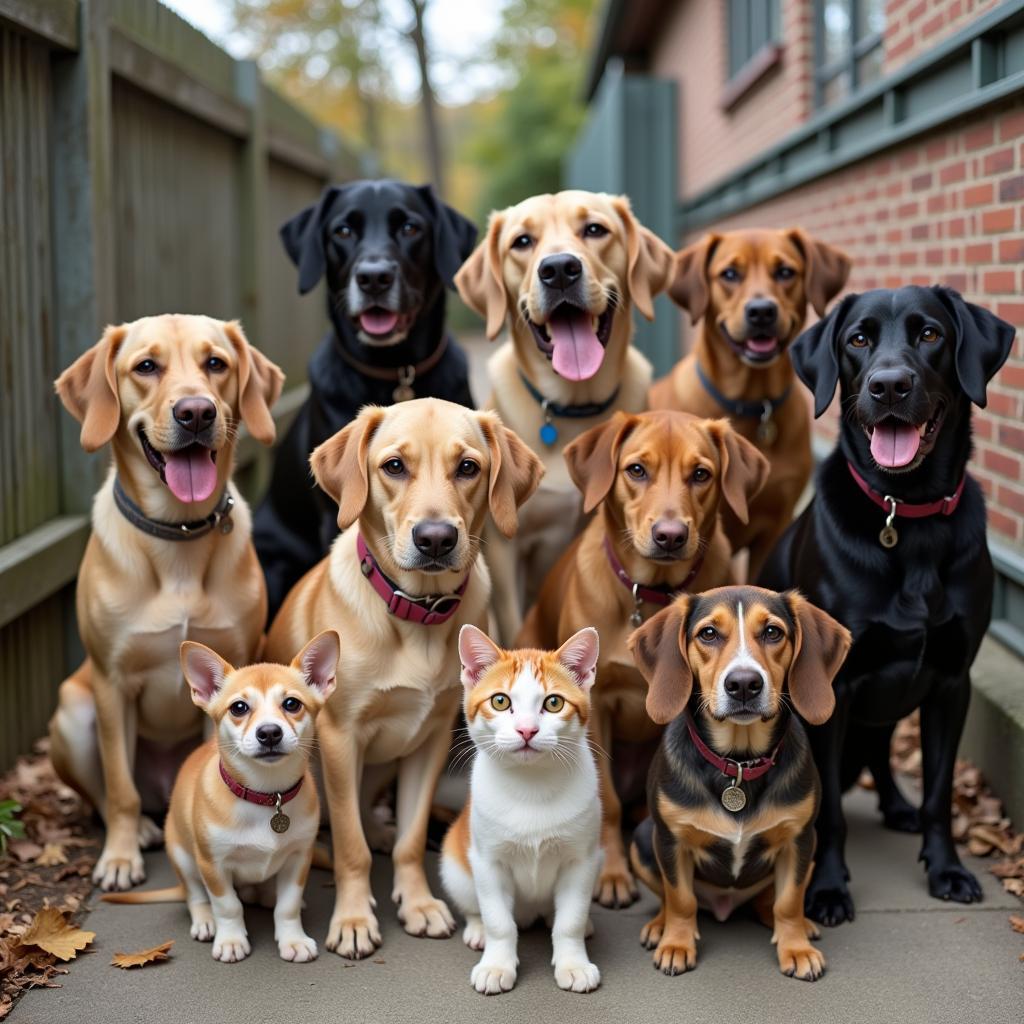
x,y
1015,886
51,931
52,855
24,849
144,957
1017,923
989,836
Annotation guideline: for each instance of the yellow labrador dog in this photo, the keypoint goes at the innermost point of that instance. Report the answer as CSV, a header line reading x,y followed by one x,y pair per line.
x,y
414,484
169,560
566,270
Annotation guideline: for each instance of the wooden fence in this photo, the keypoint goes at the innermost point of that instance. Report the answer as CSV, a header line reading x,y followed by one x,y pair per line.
x,y
142,170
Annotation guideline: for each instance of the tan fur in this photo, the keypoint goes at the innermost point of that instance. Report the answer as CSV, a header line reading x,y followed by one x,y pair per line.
x,y
697,286
400,692
139,596
498,281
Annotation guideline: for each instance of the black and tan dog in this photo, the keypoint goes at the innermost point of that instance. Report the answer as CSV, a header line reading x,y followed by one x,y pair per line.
x,y
733,791
388,251
894,545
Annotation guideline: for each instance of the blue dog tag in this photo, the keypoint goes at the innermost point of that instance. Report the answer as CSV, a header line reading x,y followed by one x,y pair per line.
x,y
548,434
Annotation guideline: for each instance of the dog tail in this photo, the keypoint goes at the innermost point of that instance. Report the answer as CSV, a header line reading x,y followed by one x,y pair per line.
x,y
172,894
322,858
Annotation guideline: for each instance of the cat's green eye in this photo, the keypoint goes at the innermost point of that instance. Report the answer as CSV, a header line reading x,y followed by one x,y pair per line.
x,y
500,702
554,703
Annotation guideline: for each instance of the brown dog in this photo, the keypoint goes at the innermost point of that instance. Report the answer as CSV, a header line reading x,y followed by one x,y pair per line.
x,y
567,271
660,479
733,790
163,563
414,484
750,291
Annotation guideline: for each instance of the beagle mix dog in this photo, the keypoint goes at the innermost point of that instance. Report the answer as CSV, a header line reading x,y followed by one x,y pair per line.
x,y
414,484
659,481
733,791
170,558
749,290
566,270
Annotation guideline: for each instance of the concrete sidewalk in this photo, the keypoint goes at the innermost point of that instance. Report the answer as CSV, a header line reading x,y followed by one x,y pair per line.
x,y
907,958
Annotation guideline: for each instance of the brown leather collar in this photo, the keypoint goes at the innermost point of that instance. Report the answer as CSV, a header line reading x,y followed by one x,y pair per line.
x,y
399,374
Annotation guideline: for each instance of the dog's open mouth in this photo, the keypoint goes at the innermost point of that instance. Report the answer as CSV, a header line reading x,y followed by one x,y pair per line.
x,y
379,323
190,472
758,348
574,339
896,444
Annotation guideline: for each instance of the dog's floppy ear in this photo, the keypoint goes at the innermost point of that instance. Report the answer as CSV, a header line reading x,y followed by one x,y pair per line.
x,y
825,269
744,468
318,662
454,235
303,239
815,355
982,345
339,464
480,281
649,259
88,389
819,650
659,650
689,285
593,457
515,472
477,653
204,671
259,385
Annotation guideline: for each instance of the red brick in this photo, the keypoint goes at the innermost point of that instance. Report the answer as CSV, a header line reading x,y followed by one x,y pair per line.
x,y
905,210
1011,189
955,280
936,203
1010,498
922,181
1011,126
1011,311
1001,523
982,428
908,259
999,161
1011,250
1001,404
1011,376
979,195
952,173
1011,437
977,138
932,25
1001,463
999,282
994,221
936,149
979,253
956,227
918,232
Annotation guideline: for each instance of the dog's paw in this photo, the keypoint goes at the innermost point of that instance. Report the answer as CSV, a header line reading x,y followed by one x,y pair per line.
x,y
616,889
427,916
473,933
117,871
298,950
676,957
203,928
899,814
574,976
954,883
803,962
829,906
231,947
650,934
353,937
491,979
150,833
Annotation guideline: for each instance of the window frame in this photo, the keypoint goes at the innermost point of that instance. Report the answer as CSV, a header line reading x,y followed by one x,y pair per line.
x,y
856,51
757,62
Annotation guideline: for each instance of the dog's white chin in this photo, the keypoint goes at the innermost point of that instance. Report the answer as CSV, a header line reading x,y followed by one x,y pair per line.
x,y
382,341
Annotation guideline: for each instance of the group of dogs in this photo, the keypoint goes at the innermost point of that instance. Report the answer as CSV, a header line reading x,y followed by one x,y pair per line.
x,y
582,494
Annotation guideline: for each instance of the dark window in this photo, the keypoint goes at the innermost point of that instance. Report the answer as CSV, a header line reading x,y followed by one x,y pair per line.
x,y
848,47
753,26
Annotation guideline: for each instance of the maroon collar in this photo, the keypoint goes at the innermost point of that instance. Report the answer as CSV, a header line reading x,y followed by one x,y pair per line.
x,y
727,766
426,609
655,595
255,797
943,507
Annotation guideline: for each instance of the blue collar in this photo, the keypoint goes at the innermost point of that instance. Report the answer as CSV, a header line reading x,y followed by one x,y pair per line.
x,y
760,410
548,431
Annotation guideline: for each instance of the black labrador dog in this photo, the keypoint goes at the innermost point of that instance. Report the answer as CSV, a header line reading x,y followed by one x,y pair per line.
x,y
389,250
914,587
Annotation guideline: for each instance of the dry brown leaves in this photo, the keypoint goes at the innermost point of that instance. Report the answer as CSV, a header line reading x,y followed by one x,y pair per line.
x,y
144,957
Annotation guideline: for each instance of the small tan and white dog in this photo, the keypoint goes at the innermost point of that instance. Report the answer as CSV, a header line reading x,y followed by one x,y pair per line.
x,y
244,812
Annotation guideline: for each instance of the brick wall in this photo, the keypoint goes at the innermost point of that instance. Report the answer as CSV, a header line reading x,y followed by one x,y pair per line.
x,y
914,26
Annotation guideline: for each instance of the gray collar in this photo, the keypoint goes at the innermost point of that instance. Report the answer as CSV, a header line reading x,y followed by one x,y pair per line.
x,y
219,518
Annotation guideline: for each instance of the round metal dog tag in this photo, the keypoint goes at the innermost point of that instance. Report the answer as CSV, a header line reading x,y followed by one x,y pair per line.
x,y
734,799
403,393
767,432
226,525
280,822
548,434
888,537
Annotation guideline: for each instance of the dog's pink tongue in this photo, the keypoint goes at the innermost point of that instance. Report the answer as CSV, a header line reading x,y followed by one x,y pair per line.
x,y
378,321
894,444
762,346
190,473
577,352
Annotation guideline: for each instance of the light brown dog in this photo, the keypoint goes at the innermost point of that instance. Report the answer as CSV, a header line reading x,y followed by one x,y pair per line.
x,y
660,479
749,290
168,393
414,484
567,271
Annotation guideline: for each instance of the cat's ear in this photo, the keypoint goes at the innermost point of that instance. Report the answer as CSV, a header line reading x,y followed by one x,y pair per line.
x,y
477,652
579,656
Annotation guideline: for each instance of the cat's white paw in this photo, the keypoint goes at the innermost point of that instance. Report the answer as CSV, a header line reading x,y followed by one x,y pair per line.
x,y
574,976
230,947
202,923
299,949
493,978
473,933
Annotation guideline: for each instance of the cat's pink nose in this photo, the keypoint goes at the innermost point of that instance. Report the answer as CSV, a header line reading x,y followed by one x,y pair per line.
x,y
527,732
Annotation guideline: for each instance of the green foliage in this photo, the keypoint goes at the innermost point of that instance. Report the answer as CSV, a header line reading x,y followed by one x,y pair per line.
x,y
10,827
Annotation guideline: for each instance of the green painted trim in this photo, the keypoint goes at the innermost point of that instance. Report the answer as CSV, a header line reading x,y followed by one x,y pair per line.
x,y
55,21
962,75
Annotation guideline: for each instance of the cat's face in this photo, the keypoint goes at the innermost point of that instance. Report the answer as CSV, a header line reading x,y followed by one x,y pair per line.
x,y
527,706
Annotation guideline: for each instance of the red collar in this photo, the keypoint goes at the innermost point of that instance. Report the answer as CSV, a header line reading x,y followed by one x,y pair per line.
x,y
943,507
727,766
255,797
426,609
655,595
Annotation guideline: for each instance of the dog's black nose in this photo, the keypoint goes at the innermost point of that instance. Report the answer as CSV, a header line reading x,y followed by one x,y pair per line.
x,y
375,277
761,313
560,271
890,386
743,683
269,734
194,414
670,535
434,538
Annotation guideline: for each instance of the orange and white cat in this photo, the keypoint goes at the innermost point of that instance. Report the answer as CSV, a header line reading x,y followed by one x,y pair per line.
x,y
526,844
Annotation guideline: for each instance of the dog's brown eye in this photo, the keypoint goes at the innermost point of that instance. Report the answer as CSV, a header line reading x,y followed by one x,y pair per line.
x,y
858,340
929,334
343,231
784,273
468,469
500,702
216,365
554,703
291,705
593,230
772,634
239,709
730,274
410,230
394,467
701,475
147,366
636,471
522,242
708,634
